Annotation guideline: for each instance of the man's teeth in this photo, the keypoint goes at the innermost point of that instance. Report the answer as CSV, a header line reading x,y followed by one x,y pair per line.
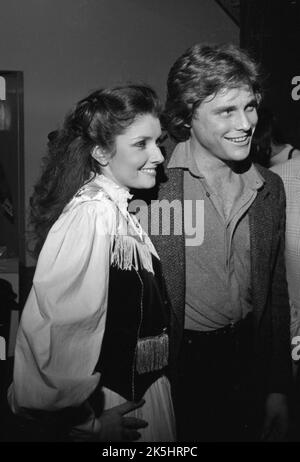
x,y
241,139
150,170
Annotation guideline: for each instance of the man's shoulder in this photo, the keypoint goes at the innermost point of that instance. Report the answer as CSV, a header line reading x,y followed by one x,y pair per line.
x,y
265,172
271,179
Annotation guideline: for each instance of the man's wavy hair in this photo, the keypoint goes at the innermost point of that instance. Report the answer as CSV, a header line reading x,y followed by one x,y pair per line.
x,y
203,71
95,121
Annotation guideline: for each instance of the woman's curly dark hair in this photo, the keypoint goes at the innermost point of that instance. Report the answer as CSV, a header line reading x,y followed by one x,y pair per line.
x,y
200,72
95,121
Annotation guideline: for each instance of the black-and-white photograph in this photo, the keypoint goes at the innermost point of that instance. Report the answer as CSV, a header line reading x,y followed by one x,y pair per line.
x,y
149,224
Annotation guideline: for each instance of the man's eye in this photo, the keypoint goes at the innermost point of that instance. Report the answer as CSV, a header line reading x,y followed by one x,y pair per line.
x,y
226,112
251,108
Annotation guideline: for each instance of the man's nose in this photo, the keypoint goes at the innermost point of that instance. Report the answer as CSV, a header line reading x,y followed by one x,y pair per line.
x,y
243,121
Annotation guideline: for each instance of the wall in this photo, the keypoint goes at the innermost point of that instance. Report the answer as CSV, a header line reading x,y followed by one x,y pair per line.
x,y
68,47
279,57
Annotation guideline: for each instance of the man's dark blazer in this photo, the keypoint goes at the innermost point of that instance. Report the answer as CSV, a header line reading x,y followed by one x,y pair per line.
x,y
268,277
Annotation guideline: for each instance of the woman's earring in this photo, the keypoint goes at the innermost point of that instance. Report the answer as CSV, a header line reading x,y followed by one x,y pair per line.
x,y
99,155
102,163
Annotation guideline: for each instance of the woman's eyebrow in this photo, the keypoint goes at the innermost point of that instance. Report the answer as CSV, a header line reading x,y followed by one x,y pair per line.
x,y
141,137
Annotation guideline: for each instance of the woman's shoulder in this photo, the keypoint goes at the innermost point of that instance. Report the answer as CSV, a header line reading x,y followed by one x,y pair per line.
x,y
89,208
92,190
91,195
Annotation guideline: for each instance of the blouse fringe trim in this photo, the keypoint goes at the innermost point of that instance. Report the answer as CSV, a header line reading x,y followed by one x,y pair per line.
x,y
152,353
128,253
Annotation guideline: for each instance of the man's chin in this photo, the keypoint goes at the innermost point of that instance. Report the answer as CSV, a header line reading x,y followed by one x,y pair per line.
x,y
240,154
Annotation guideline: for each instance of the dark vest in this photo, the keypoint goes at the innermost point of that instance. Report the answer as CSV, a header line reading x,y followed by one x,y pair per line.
x,y
134,350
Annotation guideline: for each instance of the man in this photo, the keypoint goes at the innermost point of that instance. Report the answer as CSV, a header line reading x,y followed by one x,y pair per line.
x,y
228,291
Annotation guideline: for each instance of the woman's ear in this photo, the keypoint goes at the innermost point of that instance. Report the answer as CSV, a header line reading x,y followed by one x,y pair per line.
x,y
100,156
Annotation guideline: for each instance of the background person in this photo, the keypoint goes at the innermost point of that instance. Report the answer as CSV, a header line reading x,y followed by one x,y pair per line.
x,y
270,146
290,173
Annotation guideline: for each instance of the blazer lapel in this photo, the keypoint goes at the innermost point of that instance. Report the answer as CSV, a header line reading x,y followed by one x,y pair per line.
x,y
171,247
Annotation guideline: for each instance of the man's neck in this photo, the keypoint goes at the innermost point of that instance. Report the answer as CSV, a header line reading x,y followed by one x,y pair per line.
x,y
222,177
213,168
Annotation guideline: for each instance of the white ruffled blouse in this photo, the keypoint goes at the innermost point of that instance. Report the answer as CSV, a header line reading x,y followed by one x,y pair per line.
x,y
62,325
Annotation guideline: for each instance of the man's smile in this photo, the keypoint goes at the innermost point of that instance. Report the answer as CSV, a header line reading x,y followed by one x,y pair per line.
x,y
241,140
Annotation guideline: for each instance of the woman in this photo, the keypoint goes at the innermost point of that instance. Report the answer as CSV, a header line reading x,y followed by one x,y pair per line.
x,y
93,339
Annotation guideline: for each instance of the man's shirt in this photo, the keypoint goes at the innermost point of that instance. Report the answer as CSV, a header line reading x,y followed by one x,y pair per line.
x,y
218,269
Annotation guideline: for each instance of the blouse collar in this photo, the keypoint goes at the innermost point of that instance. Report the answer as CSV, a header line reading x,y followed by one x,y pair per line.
x,y
118,194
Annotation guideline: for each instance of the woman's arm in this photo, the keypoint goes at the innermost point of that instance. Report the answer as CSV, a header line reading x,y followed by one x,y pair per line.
x,y
62,325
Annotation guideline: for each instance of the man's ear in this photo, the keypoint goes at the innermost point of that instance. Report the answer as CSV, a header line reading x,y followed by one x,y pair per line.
x,y
258,99
100,156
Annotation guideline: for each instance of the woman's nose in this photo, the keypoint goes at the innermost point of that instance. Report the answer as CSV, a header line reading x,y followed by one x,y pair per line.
x,y
157,156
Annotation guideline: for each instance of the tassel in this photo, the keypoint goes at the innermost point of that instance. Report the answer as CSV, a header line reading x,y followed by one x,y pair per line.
x,y
152,353
128,253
